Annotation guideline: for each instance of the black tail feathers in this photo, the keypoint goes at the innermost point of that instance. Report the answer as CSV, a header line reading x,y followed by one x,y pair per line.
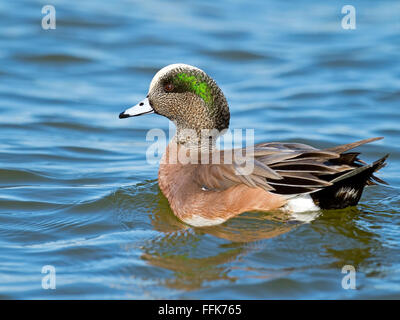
x,y
347,188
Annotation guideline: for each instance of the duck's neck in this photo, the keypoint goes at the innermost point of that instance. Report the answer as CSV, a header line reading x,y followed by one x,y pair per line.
x,y
196,140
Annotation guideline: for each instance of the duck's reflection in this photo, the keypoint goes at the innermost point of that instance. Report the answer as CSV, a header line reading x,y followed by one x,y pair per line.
x,y
346,238
196,257
199,256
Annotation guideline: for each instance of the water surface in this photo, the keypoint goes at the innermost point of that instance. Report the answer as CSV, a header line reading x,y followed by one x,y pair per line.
x,y
77,193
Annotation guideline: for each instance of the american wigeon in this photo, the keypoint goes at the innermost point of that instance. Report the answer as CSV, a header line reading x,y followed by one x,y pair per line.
x,y
290,176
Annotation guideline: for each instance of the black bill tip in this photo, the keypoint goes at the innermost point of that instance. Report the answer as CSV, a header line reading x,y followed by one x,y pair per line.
x,y
123,115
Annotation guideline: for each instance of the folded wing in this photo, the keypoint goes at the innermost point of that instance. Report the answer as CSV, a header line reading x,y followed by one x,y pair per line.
x,y
283,168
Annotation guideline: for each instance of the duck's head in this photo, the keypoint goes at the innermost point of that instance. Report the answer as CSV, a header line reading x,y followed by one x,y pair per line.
x,y
187,96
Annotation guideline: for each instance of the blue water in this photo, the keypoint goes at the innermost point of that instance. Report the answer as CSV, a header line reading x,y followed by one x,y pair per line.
x,y
77,193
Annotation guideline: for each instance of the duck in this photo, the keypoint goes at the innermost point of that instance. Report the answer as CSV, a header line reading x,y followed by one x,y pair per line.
x,y
265,177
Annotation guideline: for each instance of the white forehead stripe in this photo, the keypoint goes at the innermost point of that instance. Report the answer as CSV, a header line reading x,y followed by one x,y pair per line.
x,y
167,69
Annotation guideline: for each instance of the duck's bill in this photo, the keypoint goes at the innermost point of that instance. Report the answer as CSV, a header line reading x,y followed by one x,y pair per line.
x,y
142,107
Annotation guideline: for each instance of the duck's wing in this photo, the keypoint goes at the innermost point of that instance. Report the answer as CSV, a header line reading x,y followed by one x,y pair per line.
x,y
283,168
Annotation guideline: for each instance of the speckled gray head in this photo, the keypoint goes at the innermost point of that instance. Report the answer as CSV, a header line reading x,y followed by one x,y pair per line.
x,y
187,96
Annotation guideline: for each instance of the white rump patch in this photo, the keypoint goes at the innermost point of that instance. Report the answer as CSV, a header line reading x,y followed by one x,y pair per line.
x,y
199,221
302,208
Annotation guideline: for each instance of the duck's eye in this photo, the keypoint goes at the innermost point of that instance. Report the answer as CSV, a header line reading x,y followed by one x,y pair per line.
x,y
168,87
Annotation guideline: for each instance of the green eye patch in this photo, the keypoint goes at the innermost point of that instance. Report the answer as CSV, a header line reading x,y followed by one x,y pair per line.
x,y
193,84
